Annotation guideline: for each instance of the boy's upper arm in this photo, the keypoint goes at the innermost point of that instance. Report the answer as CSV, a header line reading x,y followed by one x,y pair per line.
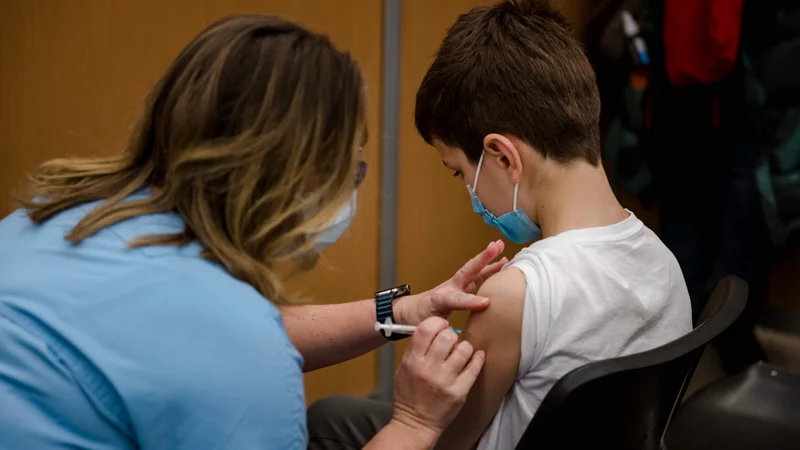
x,y
497,331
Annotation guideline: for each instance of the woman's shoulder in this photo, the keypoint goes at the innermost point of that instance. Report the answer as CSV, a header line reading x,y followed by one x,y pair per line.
x,y
201,295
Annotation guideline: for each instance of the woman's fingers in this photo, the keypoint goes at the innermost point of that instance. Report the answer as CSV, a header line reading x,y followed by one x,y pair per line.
x,y
442,346
490,270
459,357
425,335
430,388
472,269
467,377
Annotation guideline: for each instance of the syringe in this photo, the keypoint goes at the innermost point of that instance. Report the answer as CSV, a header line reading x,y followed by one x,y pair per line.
x,y
389,328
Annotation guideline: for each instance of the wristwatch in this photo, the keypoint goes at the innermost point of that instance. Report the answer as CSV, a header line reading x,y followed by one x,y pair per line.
x,y
384,301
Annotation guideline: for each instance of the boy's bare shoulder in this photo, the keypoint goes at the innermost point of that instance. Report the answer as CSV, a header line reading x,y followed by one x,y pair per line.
x,y
507,285
501,322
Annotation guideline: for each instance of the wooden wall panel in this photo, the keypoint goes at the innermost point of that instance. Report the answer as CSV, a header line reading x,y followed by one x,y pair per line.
x,y
73,75
439,231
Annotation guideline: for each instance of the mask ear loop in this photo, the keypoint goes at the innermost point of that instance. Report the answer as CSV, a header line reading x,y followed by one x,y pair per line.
x,y
477,172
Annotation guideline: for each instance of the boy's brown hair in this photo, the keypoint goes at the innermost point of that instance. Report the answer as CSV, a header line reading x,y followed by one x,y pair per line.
x,y
512,68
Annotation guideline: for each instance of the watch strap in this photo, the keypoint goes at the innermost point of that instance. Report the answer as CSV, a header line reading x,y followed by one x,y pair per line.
x,y
384,310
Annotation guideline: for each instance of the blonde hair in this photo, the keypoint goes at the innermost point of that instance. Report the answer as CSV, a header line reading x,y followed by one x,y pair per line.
x,y
251,136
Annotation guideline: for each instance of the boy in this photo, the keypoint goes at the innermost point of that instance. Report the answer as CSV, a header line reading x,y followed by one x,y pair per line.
x,y
512,106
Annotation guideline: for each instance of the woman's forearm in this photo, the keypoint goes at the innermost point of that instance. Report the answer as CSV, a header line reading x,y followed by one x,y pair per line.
x,y
330,334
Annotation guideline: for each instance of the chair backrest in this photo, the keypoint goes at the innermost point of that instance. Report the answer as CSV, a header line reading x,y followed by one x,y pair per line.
x,y
626,403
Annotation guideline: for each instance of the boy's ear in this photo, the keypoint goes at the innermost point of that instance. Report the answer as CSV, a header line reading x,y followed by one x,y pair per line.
x,y
502,150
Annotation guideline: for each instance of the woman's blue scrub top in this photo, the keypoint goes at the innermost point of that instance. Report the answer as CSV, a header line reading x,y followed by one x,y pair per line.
x,y
105,347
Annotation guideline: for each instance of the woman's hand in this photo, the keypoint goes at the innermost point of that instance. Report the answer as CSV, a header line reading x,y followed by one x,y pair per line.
x,y
455,294
435,375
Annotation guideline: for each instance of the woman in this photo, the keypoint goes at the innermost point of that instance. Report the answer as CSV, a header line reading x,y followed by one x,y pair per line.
x,y
133,287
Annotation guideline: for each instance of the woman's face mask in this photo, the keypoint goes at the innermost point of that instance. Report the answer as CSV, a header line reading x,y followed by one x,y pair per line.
x,y
515,225
337,228
339,225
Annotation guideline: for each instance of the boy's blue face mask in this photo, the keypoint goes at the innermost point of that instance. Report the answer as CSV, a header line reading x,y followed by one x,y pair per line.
x,y
515,225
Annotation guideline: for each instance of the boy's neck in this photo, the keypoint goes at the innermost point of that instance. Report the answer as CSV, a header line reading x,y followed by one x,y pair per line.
x,y
576,196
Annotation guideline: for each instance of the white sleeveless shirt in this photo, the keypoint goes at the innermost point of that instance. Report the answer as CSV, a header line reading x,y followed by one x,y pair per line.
x,y
592,294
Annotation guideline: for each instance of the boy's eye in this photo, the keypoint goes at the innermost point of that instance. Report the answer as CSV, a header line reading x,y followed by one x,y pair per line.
x,y
457,173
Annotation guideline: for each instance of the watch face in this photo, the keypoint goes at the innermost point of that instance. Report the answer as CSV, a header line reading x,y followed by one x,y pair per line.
x,y
402,290
398,291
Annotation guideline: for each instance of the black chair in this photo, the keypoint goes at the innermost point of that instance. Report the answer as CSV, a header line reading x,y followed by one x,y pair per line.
x,y
626,403
756,409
